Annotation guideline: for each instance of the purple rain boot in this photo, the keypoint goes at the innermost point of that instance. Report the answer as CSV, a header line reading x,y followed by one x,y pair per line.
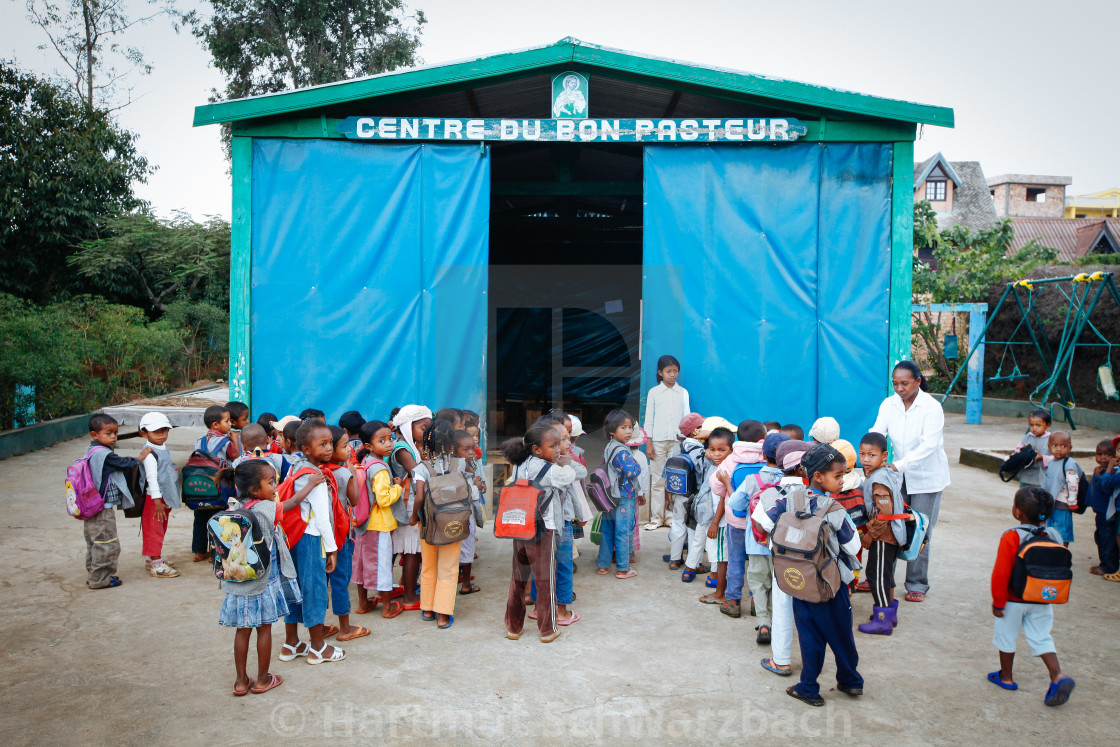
x,y
894,613
880,623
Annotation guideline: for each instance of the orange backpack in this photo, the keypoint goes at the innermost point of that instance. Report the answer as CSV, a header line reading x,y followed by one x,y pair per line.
x,y
518,514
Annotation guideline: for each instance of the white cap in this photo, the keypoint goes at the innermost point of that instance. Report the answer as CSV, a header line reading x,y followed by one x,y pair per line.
x,y
279,424
154,421
577,426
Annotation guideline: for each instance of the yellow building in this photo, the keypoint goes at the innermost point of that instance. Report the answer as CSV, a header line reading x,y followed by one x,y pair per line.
x,y
1104,204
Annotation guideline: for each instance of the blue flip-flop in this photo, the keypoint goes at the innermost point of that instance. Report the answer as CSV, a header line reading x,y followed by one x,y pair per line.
x,y
450,621
688,576
425,618
993,677
710,582
771,668
1059,691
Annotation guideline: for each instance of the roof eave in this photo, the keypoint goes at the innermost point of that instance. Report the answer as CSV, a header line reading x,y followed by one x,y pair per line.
x,y
564,52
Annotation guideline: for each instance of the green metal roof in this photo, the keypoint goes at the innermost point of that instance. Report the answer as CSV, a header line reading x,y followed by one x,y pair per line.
x,y
663,72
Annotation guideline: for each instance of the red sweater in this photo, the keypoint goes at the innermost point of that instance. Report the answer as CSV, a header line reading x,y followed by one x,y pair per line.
x,y
1001,573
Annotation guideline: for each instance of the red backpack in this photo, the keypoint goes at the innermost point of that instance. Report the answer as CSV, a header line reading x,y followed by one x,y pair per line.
x,y
292,521
519,509
852,501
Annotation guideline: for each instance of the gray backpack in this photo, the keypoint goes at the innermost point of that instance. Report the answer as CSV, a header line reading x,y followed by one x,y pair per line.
x,y
446,512
803,567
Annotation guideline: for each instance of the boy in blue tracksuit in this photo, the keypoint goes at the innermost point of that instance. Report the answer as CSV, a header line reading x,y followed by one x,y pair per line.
x,y
1104,491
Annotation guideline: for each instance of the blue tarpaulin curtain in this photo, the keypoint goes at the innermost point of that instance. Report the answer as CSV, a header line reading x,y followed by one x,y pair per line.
x,y
767,273
368,261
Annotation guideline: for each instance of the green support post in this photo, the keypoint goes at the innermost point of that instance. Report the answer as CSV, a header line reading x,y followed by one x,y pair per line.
x,y
240,271
902,256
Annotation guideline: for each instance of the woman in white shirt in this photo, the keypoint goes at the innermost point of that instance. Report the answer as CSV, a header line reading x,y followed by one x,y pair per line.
x,y
914,421
666,405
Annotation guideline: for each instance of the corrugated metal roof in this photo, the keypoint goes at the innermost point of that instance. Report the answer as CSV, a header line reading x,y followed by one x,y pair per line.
x,y
644,77
1063,234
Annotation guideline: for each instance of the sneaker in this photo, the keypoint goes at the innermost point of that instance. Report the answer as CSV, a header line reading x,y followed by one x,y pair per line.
x,y
731,608
161,569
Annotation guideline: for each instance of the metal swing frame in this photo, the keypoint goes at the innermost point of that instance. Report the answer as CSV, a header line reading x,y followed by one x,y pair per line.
x,y
1082,298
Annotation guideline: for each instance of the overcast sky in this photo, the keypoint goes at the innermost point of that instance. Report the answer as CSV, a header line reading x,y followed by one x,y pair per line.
x,y
1031,84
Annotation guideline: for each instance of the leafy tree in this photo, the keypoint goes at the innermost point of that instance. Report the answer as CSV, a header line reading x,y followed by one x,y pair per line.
x,y
966,264
86,34
62,168
152,262
266,46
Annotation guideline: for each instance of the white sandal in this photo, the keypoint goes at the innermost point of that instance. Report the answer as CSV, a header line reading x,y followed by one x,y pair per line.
x,y
295,651
161,569
338,655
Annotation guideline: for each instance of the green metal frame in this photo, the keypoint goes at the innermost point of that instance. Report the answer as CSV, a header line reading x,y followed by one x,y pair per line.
x,y
1083,298
572,52
240,284
902,256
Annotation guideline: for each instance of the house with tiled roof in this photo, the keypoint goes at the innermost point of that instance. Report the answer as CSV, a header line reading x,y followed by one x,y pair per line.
x,y
957,191
1072,238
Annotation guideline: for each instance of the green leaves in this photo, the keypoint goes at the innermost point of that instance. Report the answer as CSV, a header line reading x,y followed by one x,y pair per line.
x,y
84,353
151,262
968,263
62,167
266,46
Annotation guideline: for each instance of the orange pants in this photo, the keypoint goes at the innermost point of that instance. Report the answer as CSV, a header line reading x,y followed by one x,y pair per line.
x,y
439,577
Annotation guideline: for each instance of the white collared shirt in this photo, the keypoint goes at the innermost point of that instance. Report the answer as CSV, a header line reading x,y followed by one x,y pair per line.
x,y
665,408
918,441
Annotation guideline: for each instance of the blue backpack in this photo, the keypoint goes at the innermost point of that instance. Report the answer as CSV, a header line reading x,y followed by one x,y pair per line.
x,y
743,471
682,471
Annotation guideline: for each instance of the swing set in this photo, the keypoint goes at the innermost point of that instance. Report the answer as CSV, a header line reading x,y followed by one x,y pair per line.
x,y
1081,294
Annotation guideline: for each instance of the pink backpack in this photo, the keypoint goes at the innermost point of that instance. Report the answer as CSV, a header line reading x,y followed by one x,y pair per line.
x,y
364,505
83,501
762,486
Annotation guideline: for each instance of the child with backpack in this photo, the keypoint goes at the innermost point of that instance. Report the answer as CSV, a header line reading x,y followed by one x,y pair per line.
x,y
617,526
464,452
1102,499
571,513
1015,563
677,503
536,458
1038,438
100,486
666,405
255,445
885,532
163,493
410,422
342,520
311,539
223,448
238,419
760,565
439,565
374,520
721,442
818,584
256,603
1062,480
744,463
787,455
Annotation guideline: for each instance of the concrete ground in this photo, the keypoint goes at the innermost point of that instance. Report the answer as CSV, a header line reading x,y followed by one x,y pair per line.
x,y
147,663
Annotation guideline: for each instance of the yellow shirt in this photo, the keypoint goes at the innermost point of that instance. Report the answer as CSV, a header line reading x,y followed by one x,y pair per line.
x,y
383,494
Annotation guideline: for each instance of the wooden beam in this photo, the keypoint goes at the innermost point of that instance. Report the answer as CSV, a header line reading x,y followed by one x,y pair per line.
x,y
240,275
